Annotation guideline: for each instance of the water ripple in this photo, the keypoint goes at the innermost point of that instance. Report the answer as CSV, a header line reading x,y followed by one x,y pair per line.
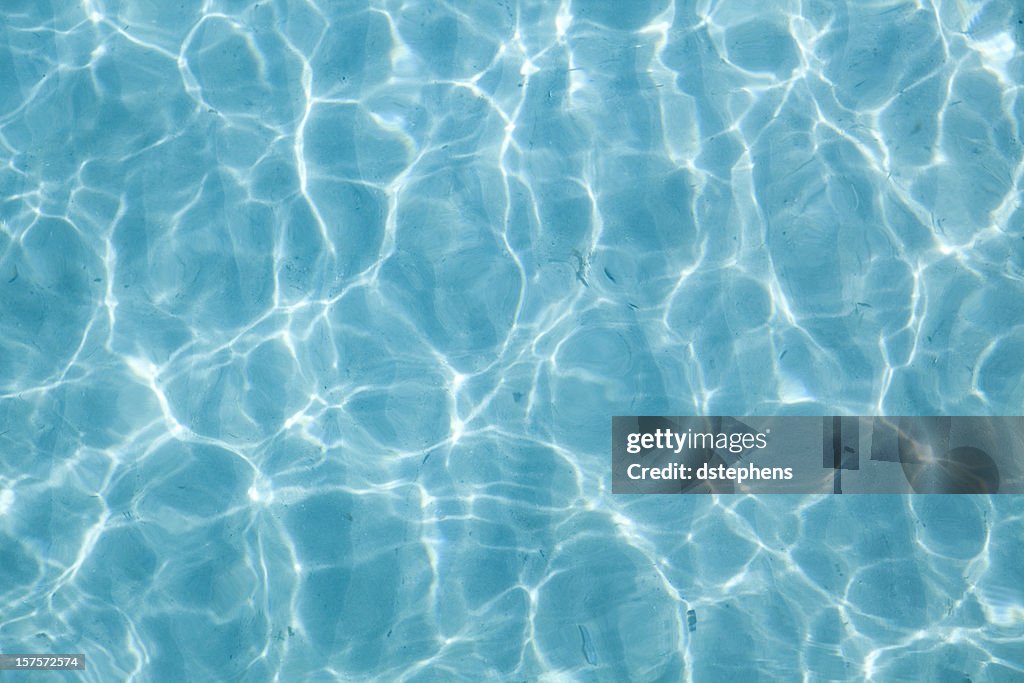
x,y
314,316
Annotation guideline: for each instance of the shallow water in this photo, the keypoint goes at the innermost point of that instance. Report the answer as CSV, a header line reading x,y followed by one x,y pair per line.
x,y
314,316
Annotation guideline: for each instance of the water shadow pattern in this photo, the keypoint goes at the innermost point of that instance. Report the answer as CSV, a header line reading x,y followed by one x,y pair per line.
x,y
314,316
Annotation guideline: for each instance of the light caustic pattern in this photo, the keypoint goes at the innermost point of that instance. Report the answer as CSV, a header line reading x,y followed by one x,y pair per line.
x,y
314,316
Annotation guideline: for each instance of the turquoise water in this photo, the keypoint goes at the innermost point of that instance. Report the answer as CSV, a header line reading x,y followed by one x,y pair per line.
x,y
313,317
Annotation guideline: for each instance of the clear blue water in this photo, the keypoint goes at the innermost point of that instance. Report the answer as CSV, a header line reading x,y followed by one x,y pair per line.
x,y
313,316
